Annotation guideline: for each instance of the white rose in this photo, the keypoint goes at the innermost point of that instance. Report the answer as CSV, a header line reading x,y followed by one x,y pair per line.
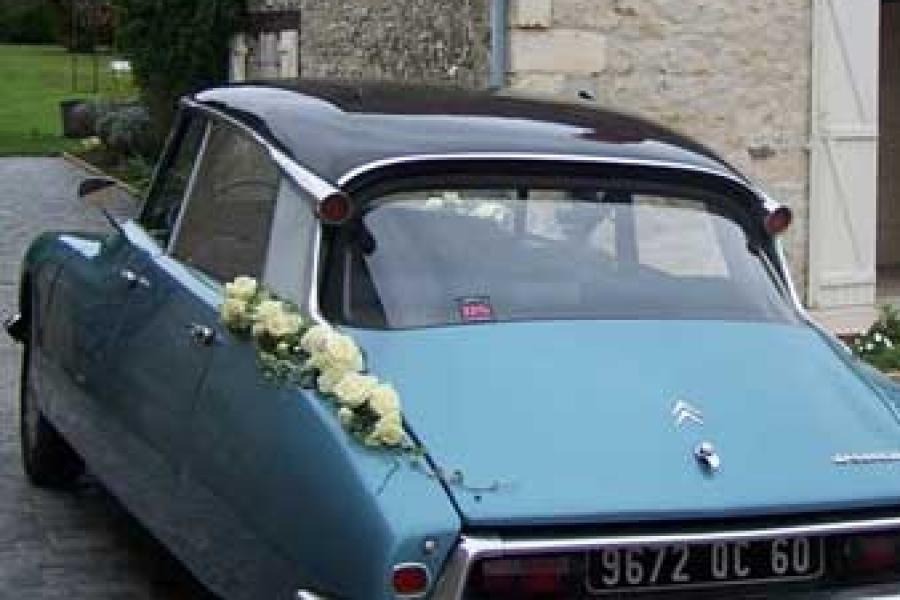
x,y
268,308
328,379
353,389
342,350
232,311
339,352
242,288
283,324
314,339
383,399
388,431
345,416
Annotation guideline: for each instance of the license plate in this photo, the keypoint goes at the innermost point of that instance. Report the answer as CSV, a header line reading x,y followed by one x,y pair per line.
x,y
645,568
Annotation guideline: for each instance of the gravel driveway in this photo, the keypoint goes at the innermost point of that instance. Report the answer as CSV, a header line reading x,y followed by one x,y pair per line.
x,y
77,545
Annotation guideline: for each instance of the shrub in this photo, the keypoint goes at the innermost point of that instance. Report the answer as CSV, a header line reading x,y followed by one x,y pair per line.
x,y
880,345
176,47
126,130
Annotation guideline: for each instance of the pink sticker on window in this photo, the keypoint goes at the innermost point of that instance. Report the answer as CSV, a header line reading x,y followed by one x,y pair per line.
x,y
473,310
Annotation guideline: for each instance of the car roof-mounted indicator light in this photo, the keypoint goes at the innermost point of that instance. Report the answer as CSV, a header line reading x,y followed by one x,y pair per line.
x,y
778,220
335,209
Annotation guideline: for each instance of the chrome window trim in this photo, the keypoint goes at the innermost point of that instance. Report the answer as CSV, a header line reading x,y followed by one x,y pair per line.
x,y
451,584
539,157
189,190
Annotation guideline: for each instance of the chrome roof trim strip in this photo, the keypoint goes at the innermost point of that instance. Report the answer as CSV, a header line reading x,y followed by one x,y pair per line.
x,y
526,156
451,584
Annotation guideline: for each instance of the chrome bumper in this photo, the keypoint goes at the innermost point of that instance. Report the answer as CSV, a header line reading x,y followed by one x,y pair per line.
x,y
451,584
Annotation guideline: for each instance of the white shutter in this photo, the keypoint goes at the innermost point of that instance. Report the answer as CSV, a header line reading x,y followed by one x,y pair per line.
x,y
266,55
240,50
289,54
843,182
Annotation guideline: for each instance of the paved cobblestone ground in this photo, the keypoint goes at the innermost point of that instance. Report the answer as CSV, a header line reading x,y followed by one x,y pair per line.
x,y
80,545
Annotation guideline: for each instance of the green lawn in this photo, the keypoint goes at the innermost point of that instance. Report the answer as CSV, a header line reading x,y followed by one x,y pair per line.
x,y
33,81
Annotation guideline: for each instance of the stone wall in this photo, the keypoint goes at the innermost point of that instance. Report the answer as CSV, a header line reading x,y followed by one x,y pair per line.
x,y
734,74
420,40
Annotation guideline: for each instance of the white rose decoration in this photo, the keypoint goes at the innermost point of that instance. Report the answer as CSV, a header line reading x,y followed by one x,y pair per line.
x,y
342,350
328,379
232,311
315,338
353,389
283,324
268,308
388,431
242,288
339,352
383,399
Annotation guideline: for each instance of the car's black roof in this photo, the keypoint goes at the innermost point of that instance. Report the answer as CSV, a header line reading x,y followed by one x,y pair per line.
x,y
333,128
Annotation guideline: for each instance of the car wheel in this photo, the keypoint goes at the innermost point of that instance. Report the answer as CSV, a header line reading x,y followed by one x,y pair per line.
x,y
47,458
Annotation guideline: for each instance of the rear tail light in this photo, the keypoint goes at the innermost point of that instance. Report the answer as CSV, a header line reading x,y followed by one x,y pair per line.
x,y
410,580
872,554
524,577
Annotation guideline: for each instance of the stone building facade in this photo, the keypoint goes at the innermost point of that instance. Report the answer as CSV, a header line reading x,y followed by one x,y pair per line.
x,y
421,40
734,75
744,77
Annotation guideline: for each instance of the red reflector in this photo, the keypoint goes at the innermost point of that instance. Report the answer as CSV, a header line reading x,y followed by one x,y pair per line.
x,y
779,220
335,209
410,580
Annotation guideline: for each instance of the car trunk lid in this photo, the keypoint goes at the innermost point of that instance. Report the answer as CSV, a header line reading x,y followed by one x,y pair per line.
x,y
576,422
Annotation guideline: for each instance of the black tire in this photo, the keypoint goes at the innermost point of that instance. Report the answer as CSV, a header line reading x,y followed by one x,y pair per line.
x,y
47,458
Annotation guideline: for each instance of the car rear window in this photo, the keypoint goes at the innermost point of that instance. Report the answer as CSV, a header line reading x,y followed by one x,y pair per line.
x,y
462,256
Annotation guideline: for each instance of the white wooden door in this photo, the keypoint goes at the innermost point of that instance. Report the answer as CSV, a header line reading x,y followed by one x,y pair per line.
x,y
843,182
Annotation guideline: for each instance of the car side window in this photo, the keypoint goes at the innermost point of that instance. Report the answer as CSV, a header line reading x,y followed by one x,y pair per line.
x,y
291,245
225,227
161,210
